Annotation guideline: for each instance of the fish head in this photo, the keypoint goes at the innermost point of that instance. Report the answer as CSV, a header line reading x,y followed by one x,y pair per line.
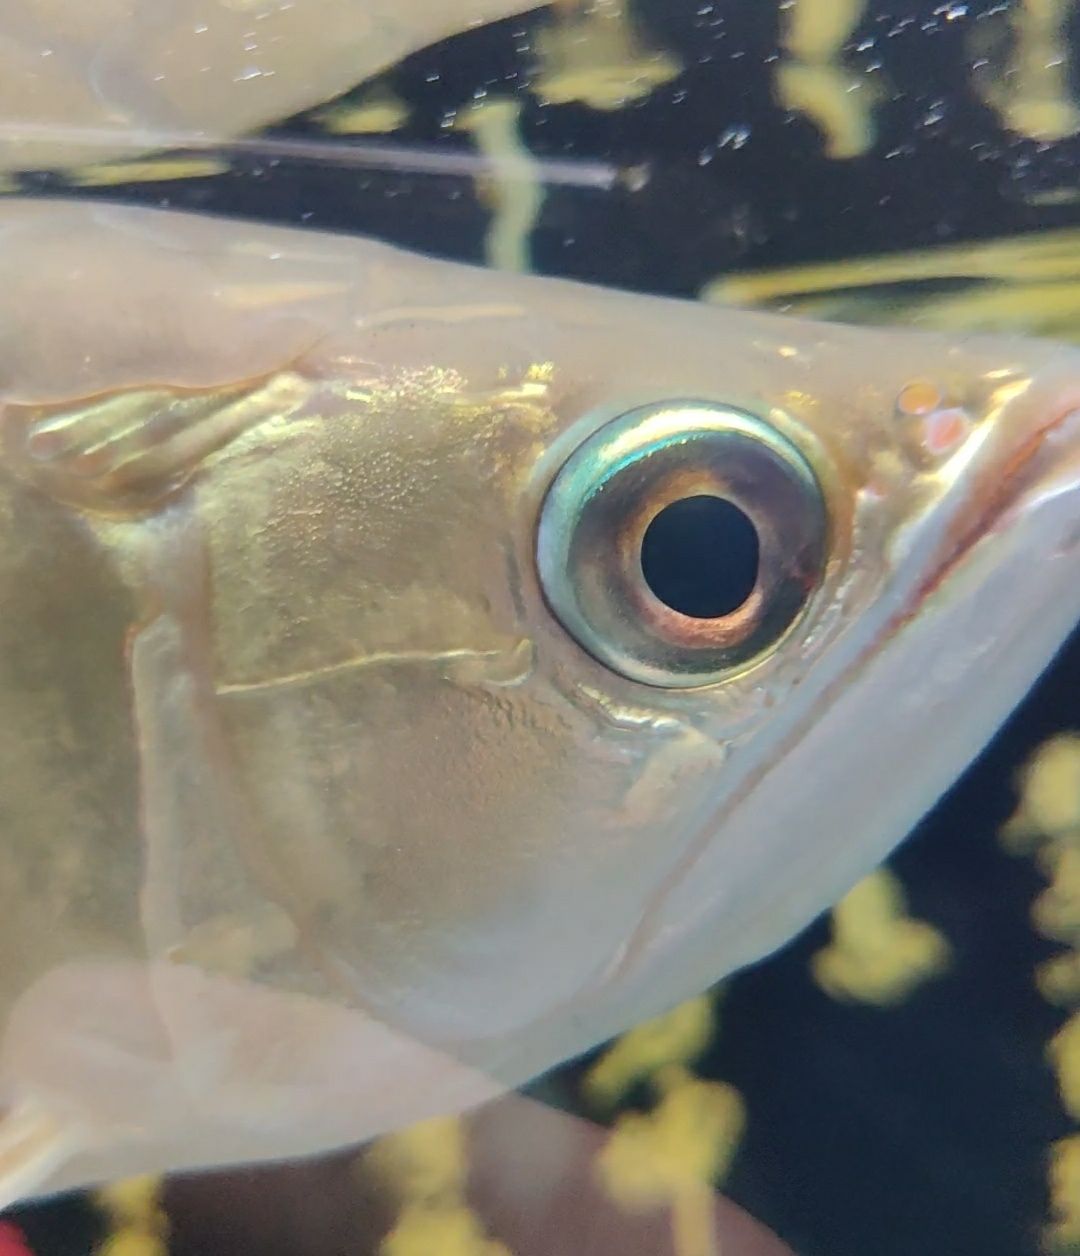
x,y
419,738
613,803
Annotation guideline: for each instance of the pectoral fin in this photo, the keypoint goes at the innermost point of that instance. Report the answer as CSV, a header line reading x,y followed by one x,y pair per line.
x,y
133,450
33,1143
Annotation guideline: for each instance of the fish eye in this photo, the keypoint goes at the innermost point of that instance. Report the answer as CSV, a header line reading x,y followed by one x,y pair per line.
x,y
680,543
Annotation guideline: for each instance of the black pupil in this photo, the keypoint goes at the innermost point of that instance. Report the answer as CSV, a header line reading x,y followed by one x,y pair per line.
x,y
700,557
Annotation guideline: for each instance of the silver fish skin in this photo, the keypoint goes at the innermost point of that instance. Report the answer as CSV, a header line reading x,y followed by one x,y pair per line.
x,y
87,83
316,818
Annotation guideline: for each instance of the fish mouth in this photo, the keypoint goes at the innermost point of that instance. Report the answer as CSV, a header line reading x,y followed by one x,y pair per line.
x,y
1042,468
1046,469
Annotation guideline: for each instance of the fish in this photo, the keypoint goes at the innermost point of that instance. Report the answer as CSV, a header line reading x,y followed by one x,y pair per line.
x,y
449,1178
1024,284
126,76
358,764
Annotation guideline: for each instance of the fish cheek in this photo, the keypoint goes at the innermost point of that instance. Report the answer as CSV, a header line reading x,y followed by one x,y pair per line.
x,y
462,856
460,844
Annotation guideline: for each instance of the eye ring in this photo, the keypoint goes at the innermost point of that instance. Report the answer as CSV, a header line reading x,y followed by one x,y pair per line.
x,y
622,479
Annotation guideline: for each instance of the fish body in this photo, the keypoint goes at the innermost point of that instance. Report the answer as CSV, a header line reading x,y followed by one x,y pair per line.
x,y
1025,283
326,805
91,83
